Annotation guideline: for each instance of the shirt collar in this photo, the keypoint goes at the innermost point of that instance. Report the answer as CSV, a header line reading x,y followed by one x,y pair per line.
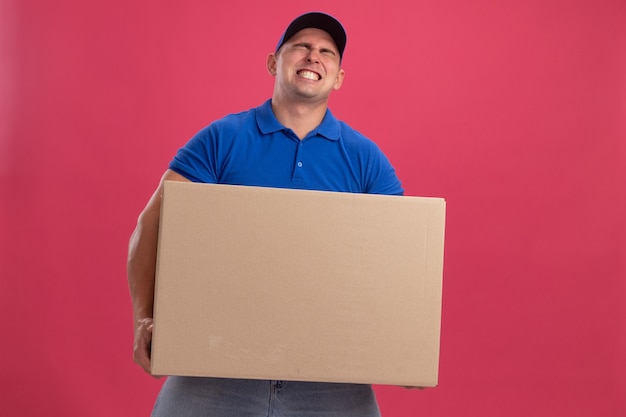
x,y
267,122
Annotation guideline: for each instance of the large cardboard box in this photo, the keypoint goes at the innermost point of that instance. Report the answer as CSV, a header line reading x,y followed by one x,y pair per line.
x,y
283,284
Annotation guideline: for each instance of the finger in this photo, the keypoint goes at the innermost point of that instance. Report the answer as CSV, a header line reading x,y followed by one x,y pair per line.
x,y
143,342
142,358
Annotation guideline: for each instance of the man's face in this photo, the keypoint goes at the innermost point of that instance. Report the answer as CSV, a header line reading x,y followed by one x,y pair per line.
x,y
307,66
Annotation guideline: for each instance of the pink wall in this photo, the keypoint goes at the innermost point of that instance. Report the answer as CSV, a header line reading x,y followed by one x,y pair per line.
x,y
515,112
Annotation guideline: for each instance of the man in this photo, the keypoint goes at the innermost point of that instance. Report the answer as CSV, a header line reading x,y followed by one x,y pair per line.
x,y
291,141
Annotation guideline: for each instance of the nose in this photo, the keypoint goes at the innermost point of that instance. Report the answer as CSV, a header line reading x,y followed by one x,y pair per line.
x,y
314,56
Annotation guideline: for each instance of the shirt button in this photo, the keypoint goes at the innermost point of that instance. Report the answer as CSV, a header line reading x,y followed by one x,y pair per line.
x,y
299,164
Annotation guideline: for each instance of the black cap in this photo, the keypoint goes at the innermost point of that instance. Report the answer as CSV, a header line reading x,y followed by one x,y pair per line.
x,y
317,20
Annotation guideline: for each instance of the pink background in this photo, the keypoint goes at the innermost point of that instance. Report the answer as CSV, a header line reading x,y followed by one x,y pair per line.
x,y
512,111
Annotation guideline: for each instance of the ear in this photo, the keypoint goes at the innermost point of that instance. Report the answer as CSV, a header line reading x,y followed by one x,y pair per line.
x,y
339,80
271,64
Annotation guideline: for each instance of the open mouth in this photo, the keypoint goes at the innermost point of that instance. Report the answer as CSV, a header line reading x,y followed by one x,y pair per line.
x,y
309,75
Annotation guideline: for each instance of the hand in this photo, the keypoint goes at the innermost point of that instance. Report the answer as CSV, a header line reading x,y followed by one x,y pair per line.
x,y
143,343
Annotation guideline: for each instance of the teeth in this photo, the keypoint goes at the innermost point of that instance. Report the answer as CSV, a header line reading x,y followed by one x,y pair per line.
x,y
309,75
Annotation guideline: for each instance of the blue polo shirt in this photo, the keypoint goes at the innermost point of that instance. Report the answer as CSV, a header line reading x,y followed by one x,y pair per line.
x,y
253,148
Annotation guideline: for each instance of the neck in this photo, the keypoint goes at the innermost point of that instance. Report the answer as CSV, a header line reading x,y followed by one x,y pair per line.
x,y
300,117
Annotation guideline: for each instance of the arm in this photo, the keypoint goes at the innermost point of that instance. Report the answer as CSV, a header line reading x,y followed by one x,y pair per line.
x,y
142,252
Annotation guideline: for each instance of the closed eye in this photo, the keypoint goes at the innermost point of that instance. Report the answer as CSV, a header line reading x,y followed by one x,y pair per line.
x,y
302,46
308,47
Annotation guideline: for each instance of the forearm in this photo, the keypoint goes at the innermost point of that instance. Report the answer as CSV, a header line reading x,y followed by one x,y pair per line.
x,y
142,253
141,269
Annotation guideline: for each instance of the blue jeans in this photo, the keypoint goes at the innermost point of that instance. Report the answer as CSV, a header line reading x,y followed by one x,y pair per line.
x,y
215,397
